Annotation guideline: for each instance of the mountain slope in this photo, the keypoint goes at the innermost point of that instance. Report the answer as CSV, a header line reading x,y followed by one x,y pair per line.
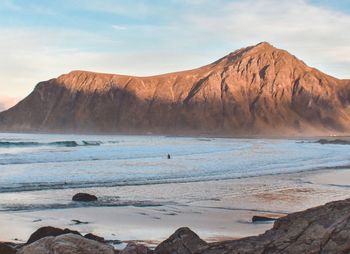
x,y
255,90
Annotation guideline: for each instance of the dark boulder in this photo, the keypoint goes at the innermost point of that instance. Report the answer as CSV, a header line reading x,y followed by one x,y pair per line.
x,y
66,244
7,249
84,197
49,231
133,248
183,241
258,218
95,238
333,142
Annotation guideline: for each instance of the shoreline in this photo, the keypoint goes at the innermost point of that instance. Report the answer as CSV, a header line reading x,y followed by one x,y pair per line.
x,y
215,209
162,182
305,136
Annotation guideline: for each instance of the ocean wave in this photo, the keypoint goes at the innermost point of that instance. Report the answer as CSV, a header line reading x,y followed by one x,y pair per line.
x,y
69,143
44,186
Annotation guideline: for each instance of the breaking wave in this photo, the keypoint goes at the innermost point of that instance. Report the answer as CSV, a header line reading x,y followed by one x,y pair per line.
x,y
7,144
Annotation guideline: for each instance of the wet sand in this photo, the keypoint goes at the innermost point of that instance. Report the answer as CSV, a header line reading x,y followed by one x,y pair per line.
x,y
216,210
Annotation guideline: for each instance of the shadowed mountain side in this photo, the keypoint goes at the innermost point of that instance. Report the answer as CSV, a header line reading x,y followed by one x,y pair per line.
x,y
115,110
255,90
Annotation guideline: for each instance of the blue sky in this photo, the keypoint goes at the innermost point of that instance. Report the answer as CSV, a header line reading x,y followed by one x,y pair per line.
x,y
43,39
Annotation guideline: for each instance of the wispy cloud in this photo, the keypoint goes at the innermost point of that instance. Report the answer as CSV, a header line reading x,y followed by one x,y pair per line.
x,y
119,27
312,32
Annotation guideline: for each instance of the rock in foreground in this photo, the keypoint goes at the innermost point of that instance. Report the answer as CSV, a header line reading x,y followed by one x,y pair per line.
x,y
133,248
183,241
66,244
323,229
49,231
95,238
6,249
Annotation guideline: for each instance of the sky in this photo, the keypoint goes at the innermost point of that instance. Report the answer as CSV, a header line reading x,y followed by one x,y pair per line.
x,y
41,39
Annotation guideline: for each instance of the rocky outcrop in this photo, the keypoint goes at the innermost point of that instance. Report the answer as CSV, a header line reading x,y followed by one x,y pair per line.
x,y
183,241
324,229
49,231
66,244
258,218
95,238
7,249
84,197
254,90
133,248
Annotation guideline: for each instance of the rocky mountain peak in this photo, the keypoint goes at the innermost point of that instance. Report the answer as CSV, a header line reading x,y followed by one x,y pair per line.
x,y
258,90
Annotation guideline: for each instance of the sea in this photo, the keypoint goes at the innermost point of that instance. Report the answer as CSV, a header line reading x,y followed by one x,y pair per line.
x,y
46,163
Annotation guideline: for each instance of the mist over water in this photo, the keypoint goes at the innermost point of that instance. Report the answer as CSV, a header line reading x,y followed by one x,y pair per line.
x,y
31,162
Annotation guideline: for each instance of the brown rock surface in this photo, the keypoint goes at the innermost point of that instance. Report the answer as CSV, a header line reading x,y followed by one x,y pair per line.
x,y
7,249
84,197
49,231
254,90
95,238
133,248
183,241
66,244
323,229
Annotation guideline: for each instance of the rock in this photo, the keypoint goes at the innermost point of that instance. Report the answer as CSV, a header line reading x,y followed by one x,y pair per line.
x,y
7,249
133,248
114,242
254,90
78,222
95,237
84,197
66,244
183,241
323,229
49,231
333,142
257,218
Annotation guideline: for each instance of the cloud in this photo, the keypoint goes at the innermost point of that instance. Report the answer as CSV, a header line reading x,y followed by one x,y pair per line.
x,y
36,55
120,7
119,27
30,56
316,34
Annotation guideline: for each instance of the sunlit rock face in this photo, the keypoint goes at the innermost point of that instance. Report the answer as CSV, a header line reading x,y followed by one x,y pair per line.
x,y
254,90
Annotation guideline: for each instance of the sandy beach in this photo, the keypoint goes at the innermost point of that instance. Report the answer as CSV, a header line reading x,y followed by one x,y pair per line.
x,y
216,210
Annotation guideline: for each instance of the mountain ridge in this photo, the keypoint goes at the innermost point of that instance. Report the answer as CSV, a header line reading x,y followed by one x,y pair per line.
x,y
251,91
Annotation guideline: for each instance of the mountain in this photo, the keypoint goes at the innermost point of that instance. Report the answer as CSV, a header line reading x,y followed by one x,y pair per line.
x,y
258,90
